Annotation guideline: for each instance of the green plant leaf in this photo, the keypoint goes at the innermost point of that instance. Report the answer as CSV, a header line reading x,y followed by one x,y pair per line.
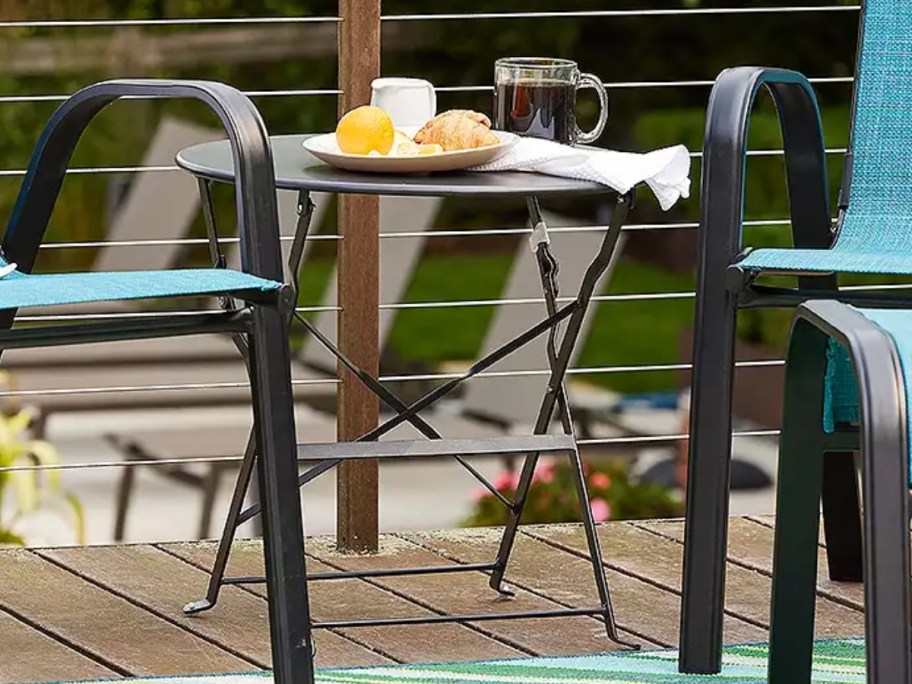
x,y
18,423
25,485
45,453
7,537
78,516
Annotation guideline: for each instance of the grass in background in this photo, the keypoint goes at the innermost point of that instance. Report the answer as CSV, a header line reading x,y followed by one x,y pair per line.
x,y
622,333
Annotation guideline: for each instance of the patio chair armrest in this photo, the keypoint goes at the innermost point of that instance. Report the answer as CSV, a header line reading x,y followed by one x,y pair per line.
x,y
725,157
875,362
255,193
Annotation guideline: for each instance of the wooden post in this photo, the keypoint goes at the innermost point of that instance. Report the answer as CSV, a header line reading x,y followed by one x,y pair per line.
x,y
359,289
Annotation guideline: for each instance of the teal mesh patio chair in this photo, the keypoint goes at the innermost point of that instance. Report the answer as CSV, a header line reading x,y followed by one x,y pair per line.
x,y
873,234
261,321
835,348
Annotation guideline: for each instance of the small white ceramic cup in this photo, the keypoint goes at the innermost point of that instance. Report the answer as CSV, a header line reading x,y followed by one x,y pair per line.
x,y
410,102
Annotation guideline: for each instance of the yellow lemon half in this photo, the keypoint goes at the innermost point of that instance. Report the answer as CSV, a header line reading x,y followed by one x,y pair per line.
x,y
364,130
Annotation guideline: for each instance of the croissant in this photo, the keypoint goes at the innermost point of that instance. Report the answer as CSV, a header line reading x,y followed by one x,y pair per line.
x,y
457,129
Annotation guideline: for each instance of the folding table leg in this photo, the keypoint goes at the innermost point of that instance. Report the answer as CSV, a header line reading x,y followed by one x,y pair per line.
x,y
595,553
228,531
302,229
559,364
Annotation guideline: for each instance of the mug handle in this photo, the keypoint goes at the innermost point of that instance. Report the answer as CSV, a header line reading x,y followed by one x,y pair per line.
x,y
433,100
595,83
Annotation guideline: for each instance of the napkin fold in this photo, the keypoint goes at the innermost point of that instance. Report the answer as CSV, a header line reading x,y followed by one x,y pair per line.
x,y
665,171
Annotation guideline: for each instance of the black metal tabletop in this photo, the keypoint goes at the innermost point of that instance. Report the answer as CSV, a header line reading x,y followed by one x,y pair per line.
x,y
297,169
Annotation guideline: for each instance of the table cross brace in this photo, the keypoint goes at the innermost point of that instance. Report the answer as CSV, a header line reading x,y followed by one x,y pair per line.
x,y
559,350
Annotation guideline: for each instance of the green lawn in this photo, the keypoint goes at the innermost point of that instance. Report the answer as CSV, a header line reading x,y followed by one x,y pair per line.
x,y
622,333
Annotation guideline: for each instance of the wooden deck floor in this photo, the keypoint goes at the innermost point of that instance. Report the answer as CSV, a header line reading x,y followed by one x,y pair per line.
x,y
72,613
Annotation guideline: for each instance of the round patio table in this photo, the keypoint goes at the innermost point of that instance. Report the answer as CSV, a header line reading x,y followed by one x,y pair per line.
x,y
296,169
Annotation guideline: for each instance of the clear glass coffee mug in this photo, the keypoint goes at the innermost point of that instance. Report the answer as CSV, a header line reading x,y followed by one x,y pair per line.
x,y
536,96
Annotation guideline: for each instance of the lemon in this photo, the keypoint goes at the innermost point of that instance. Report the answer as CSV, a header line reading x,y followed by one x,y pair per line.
x,y
364,130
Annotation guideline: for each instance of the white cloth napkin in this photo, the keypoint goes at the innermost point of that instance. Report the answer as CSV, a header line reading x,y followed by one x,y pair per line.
x,y
666,171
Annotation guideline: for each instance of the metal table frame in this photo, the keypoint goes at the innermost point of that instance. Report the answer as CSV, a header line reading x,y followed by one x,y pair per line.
x,y
559,351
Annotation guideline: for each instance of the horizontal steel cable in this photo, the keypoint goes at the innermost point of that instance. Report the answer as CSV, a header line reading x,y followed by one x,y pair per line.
x,y
571,14
309,92
90,170
189,21
426,377
484,232
644,439
669,12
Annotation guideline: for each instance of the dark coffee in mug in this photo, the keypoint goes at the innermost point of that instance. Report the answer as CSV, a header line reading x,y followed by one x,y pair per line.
x,y
541,109
536,96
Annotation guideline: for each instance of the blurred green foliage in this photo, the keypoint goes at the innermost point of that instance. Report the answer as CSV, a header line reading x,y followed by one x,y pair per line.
x,y
621,50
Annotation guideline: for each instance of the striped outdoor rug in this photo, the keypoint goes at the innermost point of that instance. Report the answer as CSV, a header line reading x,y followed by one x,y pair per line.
x,y
834,661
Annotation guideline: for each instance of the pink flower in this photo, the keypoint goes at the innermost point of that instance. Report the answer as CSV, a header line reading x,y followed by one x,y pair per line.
x,y
480,494
601,511
507,480
544,473
600,480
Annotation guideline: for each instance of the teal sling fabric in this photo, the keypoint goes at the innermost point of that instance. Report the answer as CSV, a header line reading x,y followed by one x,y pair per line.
x,y
20,290
841,394
876,233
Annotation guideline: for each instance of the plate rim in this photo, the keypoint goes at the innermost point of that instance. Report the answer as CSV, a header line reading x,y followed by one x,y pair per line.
x,y
306,144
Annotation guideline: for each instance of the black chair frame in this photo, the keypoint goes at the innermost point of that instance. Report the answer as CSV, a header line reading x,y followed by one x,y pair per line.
x,y
722,288
262,322
804,449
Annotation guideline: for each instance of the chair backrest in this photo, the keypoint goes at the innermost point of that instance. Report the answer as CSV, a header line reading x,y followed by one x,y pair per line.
x,y
879,214
143,214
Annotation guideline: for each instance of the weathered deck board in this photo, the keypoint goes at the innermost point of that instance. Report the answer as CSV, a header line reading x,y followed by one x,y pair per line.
x,y
162,584
109,611
32,656
346,599
113,630
641,608
468,593
751,544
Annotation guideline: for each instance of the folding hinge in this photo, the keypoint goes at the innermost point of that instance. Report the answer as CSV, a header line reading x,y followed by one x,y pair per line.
x,y
737,279
539,236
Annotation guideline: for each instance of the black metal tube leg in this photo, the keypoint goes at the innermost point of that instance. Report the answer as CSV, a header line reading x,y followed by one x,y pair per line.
x,y
842,517
283,530
595,553
124,494
797,511
706,531
555,384
210,491
886,494
228,531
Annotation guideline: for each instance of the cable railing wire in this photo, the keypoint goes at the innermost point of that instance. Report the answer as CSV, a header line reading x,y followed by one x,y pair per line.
x,y
315,92
90,170
472,232
134,463
330,380
567,14
591,14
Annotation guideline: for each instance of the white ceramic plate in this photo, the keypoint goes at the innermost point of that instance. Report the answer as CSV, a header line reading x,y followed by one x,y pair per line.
x,y
324,148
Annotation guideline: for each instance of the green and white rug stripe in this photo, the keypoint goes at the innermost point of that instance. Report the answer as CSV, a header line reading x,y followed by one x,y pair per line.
x,y
840,661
